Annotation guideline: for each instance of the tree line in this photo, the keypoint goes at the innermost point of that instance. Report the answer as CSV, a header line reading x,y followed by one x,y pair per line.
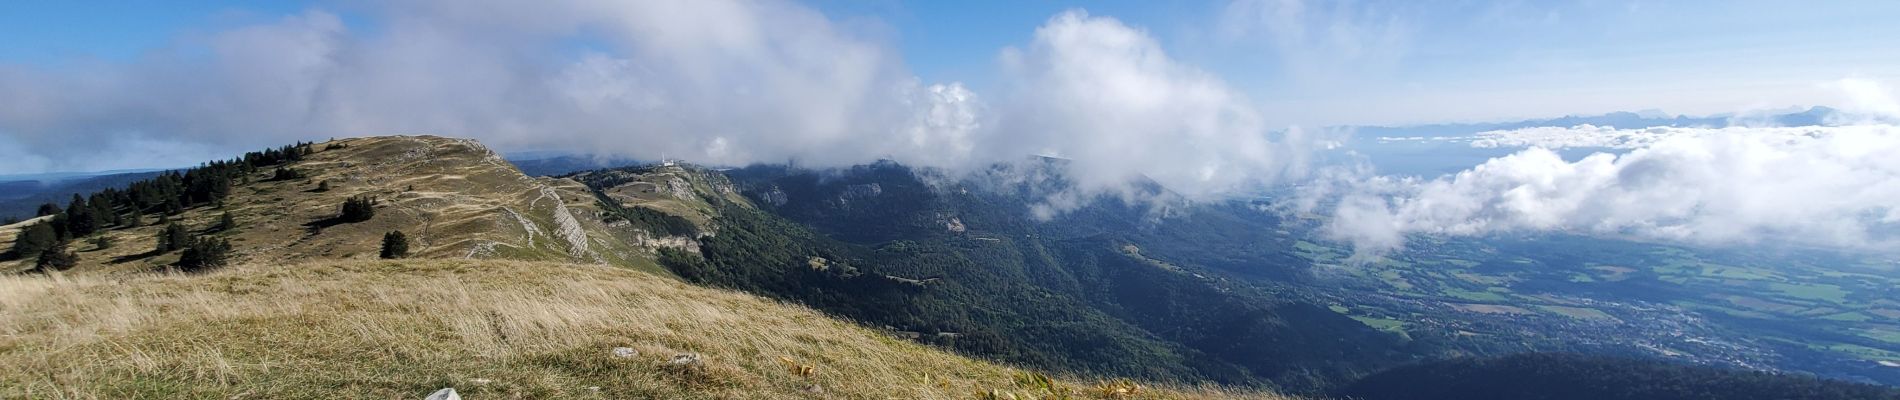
x,y
164,196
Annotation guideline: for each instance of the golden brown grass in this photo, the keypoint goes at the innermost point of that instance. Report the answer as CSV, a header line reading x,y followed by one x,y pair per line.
x,y
453,198
491,329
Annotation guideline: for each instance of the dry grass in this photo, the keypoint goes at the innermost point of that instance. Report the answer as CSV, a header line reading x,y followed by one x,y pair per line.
x,y
491,329
453,198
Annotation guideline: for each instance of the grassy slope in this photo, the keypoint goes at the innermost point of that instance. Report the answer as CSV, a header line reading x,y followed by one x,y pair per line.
x,y
454,198
360,329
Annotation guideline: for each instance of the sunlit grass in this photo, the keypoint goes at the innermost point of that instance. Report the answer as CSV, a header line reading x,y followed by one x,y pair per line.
x,y
490,329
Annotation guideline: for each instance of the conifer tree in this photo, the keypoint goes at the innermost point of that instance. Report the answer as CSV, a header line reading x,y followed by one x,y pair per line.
x,y
56,258
226,223
80,220
34,240
173,237
395,245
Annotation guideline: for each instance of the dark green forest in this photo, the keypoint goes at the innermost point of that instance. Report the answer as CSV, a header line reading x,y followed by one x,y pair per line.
x,y
163,195
873,244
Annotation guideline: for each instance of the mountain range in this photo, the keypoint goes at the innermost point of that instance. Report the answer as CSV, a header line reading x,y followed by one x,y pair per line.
x,y
873,281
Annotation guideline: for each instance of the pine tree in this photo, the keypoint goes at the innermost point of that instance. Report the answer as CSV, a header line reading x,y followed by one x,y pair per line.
x,y
102,210
323,186
34,240
56,259
47,209
135,218
102,242
62,229
395,245
80,220
173,237
226,223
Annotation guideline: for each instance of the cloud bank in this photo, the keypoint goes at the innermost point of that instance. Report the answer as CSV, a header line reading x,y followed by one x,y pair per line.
x,y
1107,97
1819,186
711,81
716,82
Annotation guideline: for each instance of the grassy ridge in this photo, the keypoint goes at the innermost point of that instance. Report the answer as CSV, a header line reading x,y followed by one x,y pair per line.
x,y
362,329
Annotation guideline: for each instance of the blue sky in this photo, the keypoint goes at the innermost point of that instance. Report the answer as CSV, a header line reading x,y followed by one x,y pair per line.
x,y
1685,56
217,76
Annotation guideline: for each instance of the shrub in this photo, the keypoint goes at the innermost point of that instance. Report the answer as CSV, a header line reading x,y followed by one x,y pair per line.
x,y
285,174
56,258
358,209
226,223
205,253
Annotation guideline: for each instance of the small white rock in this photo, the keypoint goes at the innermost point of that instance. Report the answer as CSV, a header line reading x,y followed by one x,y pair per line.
x,y
481,381
625,352
685,359
444,394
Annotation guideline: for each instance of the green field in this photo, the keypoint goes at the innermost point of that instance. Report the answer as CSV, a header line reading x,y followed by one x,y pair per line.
x,y
1811,291
1474,295
1579,313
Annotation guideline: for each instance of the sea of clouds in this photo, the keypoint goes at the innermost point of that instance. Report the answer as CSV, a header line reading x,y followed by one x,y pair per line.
x,y
1835,186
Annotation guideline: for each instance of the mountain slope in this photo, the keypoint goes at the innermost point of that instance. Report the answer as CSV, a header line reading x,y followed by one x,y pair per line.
x,y
453,198
491,329
969,267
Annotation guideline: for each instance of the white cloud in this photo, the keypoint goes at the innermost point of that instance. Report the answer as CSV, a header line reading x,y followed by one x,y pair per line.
x,y
711,81
1867,101
1823,186
718,82
1107,97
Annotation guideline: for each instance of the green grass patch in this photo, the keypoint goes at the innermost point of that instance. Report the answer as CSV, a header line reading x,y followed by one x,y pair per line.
x,y
1743,273
1470,295
1884,335
1861,352
1811,291
1579,313
1849,316
1392,278
1394,326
